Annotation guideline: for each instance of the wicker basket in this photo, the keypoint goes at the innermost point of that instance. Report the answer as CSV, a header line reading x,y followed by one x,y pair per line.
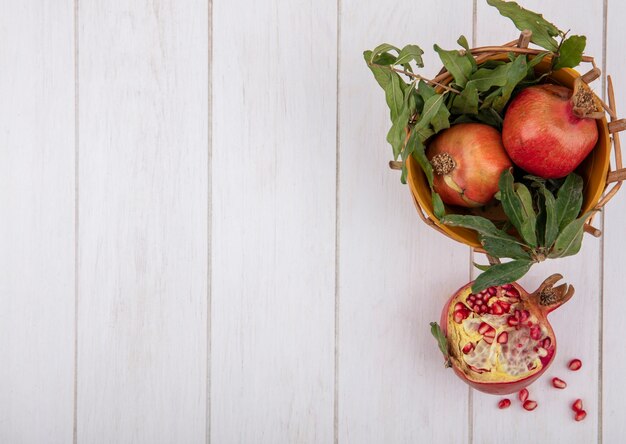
x,y
595,169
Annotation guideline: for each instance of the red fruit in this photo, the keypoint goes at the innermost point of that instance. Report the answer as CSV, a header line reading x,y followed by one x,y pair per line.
x,y
523,395
530,405
467,160
575,365
558,383
578,405
509,357
580,415
504,403
548,130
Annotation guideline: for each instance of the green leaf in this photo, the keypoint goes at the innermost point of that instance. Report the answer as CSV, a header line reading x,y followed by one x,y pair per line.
x,y
501,274
543,31
503,248
384,47
463,42
491,97
571,52
517,73
394,97
481,267
410,53
467,101
551,223
491,117
419,154
382,75
515,209
536,60
385,59
484,79
441,119
458,65
529,218
569,200
483,226
438,207
442,341
397,133
425,90
432,110
569,240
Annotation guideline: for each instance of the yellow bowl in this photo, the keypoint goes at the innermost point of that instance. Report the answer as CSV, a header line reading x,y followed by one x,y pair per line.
x,y
593,169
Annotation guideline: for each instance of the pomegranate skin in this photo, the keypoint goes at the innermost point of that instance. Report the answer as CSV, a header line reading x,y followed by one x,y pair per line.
x,y
479,159
508,387
543,136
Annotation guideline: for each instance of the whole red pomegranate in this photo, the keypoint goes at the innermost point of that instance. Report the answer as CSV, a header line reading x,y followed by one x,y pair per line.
x,y
500,341
467,161
548,130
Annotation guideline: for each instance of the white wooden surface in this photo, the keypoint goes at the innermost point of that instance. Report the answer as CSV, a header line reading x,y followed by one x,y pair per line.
x,y
201,241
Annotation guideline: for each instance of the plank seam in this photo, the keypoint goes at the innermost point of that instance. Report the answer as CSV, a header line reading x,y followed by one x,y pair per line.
x,y
602,243
76,223
209,217
337,225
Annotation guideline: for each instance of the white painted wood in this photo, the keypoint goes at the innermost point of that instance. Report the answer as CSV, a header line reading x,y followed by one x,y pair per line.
x,y
577,323
613,357
143,215
395,273
273,285
37,223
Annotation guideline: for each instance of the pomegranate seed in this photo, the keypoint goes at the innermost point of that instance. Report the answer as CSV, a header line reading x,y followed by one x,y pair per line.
x,y
486,297
484,327
530,405
484,291
542,352
492,291
471,298
575,365
505,306
578,405
523,395
496,309
468,348
512,322
458,317
507,286
524,315
546,343
558,383
535,332
580,415
504,403
503,338
459,306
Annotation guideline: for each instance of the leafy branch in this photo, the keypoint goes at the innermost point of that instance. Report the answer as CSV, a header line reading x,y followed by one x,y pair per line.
x,y
547,226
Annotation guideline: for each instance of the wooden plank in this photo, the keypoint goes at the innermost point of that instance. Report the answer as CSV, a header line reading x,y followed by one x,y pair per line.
x,y
37,223
274,101
613,360
553,420
142,333
395,272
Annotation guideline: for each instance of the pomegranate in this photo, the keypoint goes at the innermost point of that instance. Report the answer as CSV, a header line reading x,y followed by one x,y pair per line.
x,y
499,341
558,383
548,130
504,403
467,161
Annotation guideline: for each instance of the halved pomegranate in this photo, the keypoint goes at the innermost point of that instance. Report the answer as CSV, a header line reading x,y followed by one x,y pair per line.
x,y
500,341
